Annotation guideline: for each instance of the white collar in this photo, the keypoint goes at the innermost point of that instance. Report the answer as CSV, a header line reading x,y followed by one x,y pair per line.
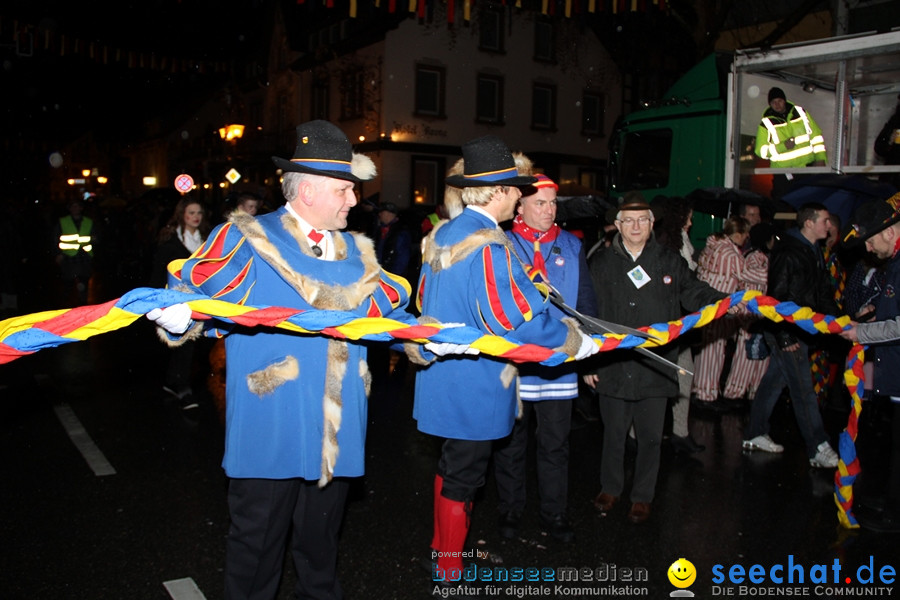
x,y
326,243
481,211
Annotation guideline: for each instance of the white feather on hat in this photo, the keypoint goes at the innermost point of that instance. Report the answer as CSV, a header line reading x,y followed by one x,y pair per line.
x,y
362,166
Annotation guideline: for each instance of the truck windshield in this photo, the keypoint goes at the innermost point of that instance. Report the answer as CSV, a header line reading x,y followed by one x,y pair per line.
x,y
644,158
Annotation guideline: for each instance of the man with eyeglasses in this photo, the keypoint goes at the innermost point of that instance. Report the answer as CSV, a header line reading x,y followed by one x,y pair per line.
x,y
638,282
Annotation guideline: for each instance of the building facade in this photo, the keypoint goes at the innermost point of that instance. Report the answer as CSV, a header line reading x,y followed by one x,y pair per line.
x,y
410,98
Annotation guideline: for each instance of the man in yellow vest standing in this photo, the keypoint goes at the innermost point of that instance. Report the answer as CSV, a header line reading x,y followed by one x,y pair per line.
x,y
788,137
75,249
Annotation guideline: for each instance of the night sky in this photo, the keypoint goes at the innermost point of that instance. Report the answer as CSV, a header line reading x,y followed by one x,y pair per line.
x,y
85,71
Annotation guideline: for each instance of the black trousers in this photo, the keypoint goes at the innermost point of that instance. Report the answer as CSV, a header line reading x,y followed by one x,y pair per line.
x,y
462,466
262,514
893,490
554,420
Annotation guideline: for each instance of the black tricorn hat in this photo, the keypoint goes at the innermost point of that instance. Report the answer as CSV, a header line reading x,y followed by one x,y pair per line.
x,y
872,217
323,149
488,162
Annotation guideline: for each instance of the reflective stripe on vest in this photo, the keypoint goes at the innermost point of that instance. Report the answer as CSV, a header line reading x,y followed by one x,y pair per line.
x,y
71,239
804,146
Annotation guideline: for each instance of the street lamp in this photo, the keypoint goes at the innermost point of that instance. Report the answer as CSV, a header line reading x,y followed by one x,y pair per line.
x,y
229,133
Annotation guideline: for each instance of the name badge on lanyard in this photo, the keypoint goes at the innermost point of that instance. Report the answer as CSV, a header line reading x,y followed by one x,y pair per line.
x,y
639,277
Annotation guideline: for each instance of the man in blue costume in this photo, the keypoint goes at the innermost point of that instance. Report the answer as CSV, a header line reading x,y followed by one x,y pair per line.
x,y
555,256
877,224
296,404
470,275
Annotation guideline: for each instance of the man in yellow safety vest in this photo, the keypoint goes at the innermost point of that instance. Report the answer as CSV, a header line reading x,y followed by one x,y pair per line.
x,y
787,137
75,248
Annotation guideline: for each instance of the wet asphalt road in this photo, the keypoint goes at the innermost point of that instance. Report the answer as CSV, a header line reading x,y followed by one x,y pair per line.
x,y
161,517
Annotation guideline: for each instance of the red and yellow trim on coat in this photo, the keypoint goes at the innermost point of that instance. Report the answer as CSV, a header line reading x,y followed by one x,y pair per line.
x,y
499,314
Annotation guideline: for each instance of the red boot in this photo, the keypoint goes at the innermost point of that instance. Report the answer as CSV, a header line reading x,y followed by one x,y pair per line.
x,y
438,486
453,526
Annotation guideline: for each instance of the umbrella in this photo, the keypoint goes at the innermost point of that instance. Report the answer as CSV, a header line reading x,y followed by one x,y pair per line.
x,y
580,207
724,202
841,194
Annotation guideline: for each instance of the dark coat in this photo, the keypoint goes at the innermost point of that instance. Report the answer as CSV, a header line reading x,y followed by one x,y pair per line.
x,y
167,251
887,356
797,274
394,249
672,291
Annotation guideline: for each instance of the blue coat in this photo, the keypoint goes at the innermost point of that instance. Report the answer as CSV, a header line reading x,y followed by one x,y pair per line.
x,y
568,273
288,393
471,275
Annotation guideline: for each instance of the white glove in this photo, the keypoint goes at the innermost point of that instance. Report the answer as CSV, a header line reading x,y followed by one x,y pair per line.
x,y
175,319
445,348
588,347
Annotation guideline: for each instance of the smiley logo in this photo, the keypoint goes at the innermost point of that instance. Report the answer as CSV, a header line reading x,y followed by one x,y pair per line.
x,y
682,573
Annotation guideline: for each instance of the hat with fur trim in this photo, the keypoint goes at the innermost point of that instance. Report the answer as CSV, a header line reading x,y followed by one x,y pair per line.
x,y
872,217
488,162
323,149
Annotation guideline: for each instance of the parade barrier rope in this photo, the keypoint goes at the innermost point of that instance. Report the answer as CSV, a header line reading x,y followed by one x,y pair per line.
x,y
27,334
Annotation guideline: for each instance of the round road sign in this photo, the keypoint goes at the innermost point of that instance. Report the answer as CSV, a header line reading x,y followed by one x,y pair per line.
x,y
184,183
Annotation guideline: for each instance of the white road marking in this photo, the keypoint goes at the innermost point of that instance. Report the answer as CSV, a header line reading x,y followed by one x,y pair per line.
x,y
89,450
183,589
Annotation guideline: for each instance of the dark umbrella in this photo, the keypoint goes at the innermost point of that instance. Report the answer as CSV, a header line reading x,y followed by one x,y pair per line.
x,y
841,194
724,202
580,207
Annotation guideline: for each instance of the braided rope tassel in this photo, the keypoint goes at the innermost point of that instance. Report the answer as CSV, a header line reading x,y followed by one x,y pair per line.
x,y
848,464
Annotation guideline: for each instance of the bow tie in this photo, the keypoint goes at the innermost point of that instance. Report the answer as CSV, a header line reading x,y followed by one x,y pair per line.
x,y
315,237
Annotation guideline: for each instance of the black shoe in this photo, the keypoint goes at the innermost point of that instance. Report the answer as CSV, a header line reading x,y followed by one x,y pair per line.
x,y
587,412
509,524
188,402
732,403
871,503
558,527
707,406
685,445
177,392
885,521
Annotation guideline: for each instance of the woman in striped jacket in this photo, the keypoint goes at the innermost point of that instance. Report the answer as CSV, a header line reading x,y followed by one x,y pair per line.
x,y
722,266
746,373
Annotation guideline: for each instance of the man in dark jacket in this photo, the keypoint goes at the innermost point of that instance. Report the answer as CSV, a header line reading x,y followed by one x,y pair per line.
x,y
394,244
877,223
796,274
638,282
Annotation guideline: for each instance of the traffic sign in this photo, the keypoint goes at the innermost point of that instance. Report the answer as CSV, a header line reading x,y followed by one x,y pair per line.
x,y
232,175
184,183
